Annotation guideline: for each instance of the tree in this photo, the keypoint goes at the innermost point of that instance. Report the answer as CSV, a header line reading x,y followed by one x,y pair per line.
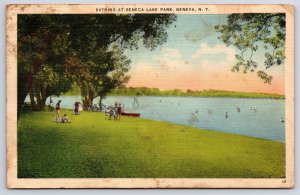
x,y
76,48
104,72
248,32
42,46
115,78
98,34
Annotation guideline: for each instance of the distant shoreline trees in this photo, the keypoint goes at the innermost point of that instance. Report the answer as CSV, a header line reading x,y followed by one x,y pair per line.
x,y
146,91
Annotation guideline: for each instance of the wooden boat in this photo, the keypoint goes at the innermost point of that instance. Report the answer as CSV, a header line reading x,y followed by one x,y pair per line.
x,y
130,114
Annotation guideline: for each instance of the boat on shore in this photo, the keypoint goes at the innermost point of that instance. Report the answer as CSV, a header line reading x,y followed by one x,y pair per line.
x,y
130,114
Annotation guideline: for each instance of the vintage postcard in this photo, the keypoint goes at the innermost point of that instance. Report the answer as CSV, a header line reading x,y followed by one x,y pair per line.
x,y
150,96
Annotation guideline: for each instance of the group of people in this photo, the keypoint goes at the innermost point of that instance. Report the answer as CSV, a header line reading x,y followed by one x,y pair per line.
x,y
114,112
64,118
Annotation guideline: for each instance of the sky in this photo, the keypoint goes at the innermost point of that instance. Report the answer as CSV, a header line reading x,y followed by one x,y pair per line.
x,y
194,58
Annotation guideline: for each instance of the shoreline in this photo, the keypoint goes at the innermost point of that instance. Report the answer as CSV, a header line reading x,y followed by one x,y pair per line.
x,y
170,123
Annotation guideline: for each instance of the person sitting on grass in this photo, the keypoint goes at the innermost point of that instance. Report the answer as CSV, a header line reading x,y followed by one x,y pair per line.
x,y
65,119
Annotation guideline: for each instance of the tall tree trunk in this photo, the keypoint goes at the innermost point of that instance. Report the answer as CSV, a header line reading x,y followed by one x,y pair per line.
x,y
42,99
45,95
100,102
39,101
21,99
22,94
32,90
84,98
91,97
32,101
87,100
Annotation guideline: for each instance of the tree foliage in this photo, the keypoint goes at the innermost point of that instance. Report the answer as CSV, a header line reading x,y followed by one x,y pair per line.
x,y
42,45
248,32
54,51
99,44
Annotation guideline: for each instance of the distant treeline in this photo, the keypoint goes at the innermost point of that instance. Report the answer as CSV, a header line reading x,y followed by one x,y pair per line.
x,y
145,91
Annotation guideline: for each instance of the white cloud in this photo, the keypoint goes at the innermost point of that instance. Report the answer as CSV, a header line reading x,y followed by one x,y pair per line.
x,y
171,52
205,51
170,59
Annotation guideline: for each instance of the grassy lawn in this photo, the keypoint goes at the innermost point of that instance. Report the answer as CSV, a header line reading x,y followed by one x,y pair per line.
x,y
92,147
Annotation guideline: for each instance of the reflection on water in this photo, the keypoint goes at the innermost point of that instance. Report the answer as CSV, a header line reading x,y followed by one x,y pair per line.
x,y
261,118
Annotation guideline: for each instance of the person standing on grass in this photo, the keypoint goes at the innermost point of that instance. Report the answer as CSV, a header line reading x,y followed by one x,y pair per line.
x,y
76,110
119,111
57,108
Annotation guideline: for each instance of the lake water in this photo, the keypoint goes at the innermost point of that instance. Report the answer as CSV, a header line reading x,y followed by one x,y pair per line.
x,y
193,111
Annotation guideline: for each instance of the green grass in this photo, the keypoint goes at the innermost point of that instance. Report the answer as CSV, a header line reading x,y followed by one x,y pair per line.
x,y
92,147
